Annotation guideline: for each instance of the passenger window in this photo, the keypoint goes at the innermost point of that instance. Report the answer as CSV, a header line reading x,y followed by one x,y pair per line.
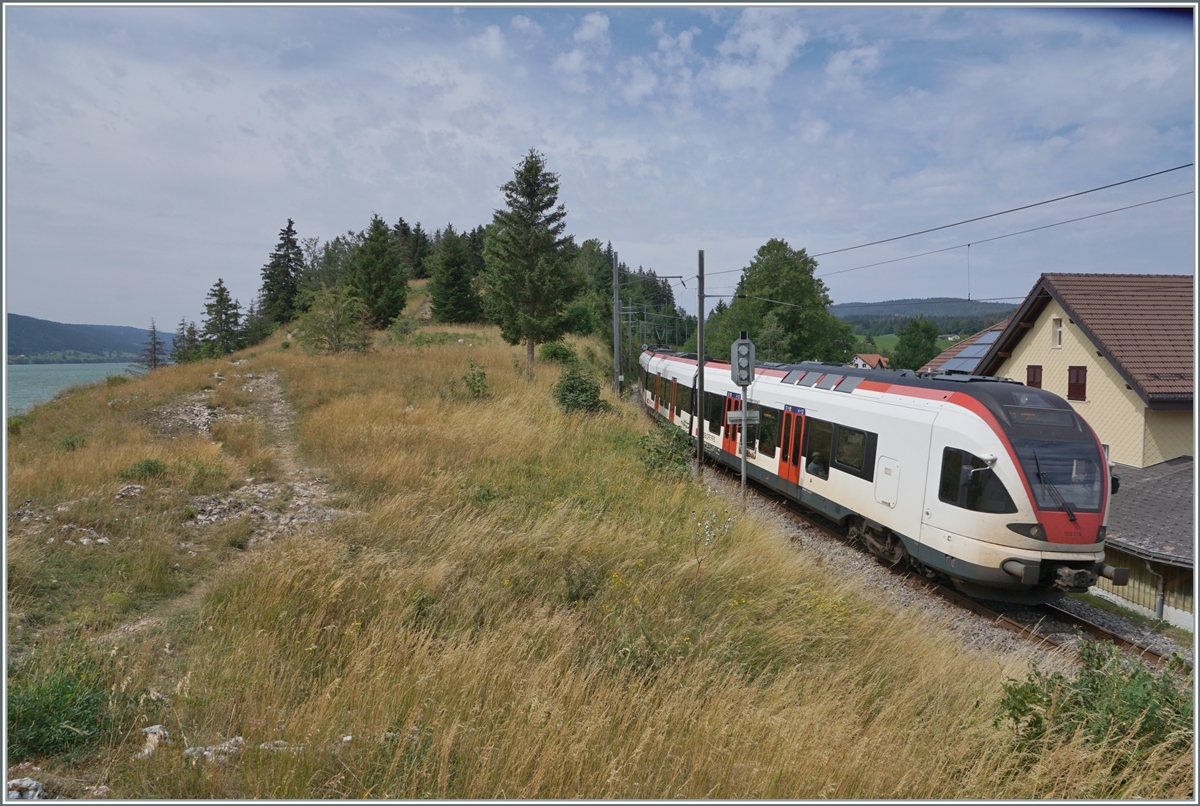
x,y
851,447
714,411
968,482
819,448
768,431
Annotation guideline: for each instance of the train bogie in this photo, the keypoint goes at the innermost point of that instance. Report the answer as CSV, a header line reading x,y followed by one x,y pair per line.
x,y
998,488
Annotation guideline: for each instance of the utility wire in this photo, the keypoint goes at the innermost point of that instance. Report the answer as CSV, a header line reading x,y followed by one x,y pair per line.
x,y
819,254
1005,212
998,237
982,240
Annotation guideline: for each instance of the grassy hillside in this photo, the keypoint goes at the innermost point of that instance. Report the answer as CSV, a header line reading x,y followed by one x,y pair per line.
x,y
385,585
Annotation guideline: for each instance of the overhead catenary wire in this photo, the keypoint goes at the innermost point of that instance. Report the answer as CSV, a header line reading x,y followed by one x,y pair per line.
x,y
993,215
978,241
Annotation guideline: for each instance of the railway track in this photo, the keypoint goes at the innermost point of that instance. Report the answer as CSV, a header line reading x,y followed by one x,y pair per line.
x,y
1034,631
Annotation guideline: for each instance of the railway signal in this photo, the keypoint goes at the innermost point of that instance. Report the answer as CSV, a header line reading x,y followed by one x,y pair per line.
x,y
741,367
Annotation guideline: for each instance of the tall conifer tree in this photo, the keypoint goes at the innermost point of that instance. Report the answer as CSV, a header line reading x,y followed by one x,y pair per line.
x,y
378,275
222,322
281,278
528,283
154,353
452,296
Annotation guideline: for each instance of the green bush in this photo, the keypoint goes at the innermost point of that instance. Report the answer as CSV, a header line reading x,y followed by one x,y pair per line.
x,y
16,423
58,705
557,351
667,451
144,470
116,380
476,380
70,443
578,390
1110,698
336,322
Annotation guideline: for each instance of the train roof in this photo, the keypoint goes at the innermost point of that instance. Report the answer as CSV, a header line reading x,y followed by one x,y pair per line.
x,y
999,395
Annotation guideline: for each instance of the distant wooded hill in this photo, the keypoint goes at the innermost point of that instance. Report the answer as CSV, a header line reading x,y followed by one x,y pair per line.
x,y
951,315
40,341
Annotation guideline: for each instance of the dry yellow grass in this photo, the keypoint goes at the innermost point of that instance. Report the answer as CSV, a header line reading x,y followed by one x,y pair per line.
x,y
515,612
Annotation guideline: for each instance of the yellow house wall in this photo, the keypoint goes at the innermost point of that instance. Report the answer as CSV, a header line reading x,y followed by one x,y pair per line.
x,y
1113,411
1168,434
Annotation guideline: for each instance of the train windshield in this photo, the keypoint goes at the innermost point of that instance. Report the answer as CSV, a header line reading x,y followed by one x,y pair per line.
x,y
1066,476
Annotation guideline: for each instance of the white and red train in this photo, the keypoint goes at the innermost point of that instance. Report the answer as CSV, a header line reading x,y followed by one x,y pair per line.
x,y
999,487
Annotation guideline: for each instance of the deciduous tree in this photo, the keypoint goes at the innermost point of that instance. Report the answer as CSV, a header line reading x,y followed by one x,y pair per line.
x,y
918,344
780,280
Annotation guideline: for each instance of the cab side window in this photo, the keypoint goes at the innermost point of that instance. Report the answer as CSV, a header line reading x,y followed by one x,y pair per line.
x,y
968,482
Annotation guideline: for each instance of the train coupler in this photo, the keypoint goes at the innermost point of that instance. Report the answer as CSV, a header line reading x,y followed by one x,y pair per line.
x,y
1073,580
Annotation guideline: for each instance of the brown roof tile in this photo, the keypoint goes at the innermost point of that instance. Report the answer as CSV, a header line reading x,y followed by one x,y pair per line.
x,y
1145,323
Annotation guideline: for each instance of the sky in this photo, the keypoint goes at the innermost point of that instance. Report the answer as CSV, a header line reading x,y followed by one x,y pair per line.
x,y
150,151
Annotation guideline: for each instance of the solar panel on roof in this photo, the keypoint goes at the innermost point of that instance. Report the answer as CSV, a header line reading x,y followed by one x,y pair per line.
x,y
988,338
809,379
848,384
828,381
973,351
963,364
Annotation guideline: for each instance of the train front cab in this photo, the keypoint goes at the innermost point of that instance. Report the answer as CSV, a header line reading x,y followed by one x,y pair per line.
x,y
1016,496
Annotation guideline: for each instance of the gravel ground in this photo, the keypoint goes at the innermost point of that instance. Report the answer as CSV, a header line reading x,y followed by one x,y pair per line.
x,y
899,594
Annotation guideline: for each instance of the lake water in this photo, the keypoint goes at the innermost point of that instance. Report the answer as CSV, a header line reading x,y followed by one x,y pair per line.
x,y
30,384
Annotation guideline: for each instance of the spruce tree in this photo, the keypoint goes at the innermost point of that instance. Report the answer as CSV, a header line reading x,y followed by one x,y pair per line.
x,y
419,249
528,283
281,278
186,346
452,296
378,275
222,322
154,353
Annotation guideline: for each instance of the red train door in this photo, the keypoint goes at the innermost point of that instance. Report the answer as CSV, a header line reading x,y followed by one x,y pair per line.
x,y
791,441
733,402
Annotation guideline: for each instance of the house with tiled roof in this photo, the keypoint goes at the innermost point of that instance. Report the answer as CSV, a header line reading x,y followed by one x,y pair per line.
x,y
869,361
1119,348
965,354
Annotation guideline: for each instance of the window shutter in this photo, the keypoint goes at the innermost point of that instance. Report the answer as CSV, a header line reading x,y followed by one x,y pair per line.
x,y
1076,383
1033,376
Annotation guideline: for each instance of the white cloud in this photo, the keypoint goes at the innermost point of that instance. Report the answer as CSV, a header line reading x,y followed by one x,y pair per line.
x,y
592,45
847,67
490,43
757,50
593,30
526,26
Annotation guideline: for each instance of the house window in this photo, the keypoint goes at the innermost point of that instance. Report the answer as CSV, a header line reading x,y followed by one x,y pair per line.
x,y
1033,376
1076,383
1056,333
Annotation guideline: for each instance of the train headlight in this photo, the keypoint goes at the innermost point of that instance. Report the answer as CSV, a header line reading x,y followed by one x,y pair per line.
x,y
1101,533
1033,530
